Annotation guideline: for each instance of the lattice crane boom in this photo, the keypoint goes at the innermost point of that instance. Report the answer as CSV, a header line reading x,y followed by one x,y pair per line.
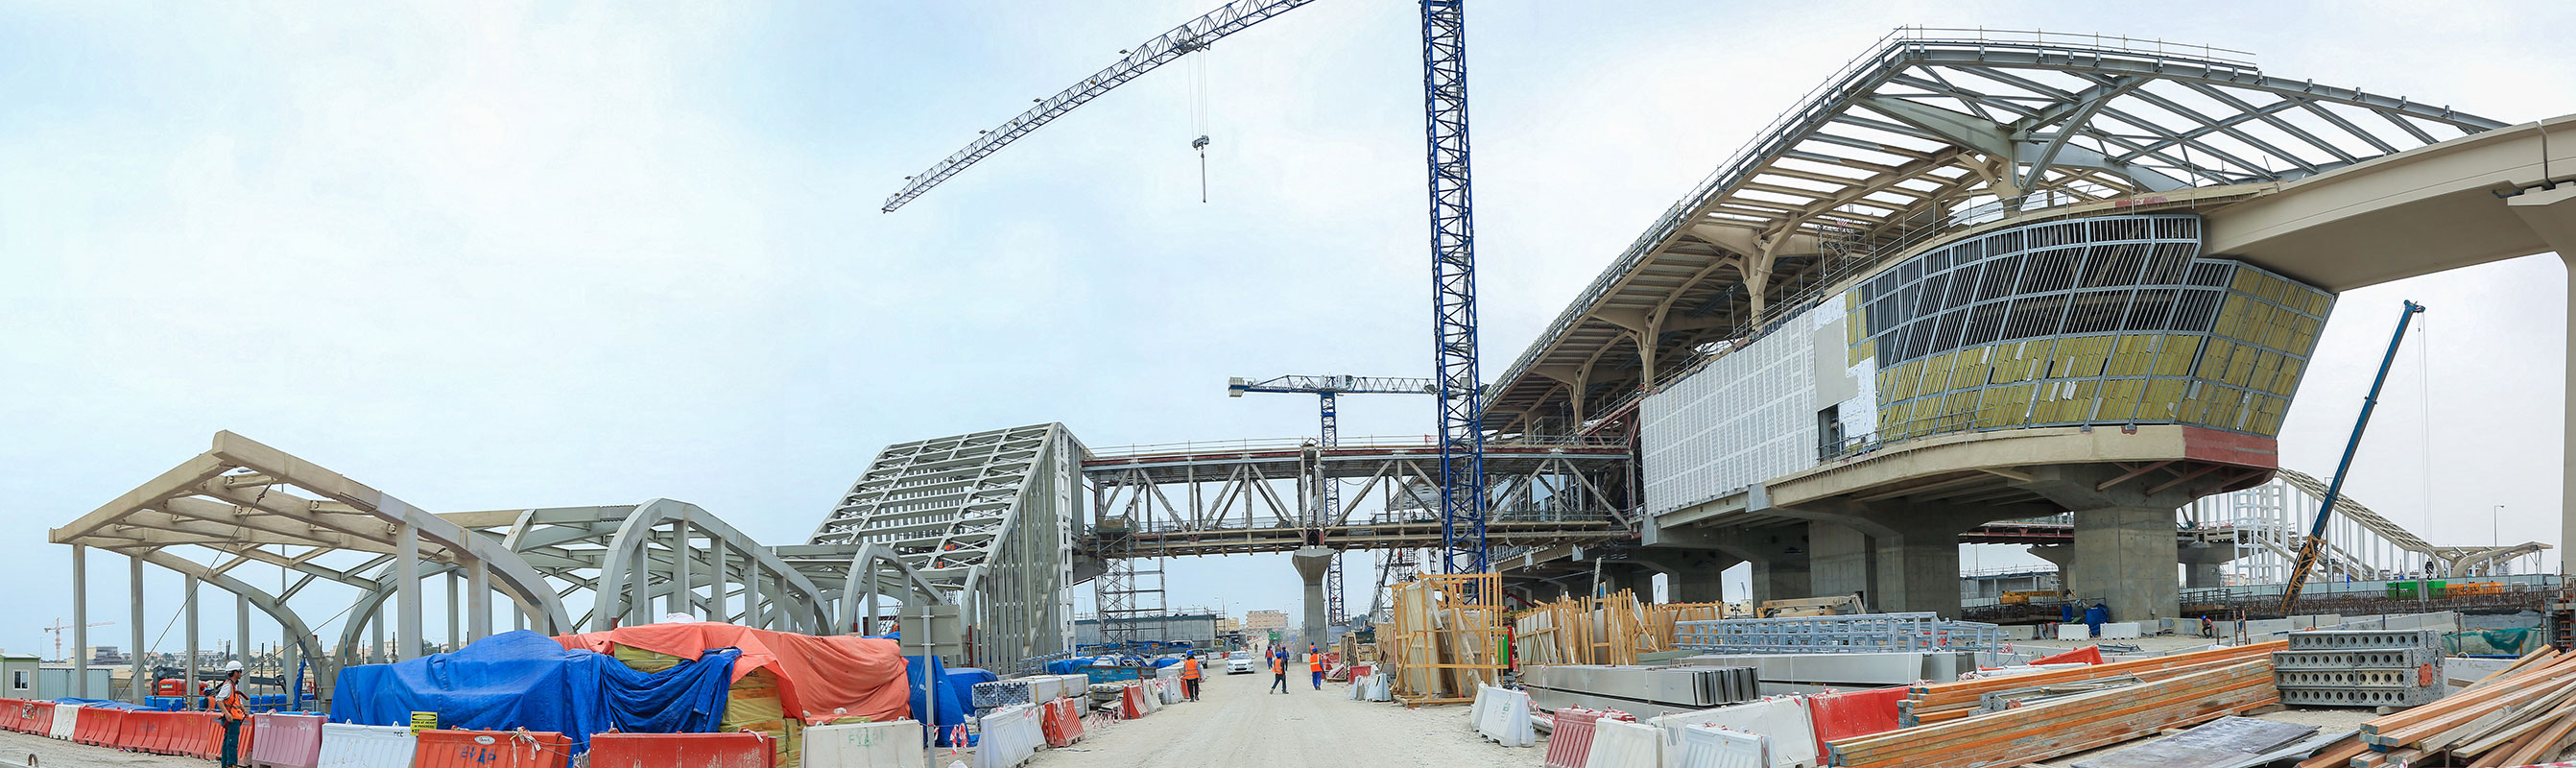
x,y
1163,49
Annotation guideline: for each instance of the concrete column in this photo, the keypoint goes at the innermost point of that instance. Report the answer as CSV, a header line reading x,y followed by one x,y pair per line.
x,y
188,605
2552,214
751,613
407,634
1311,562
719,591
478,600
681,594
1781,579
1701,586
241,629
376,639
142,683
2201,563
1917,571
455,615
2127,554
80,623
2062,556
1839,562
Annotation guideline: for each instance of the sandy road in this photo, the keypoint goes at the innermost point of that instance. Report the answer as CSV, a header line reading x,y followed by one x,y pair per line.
x,y
15,748
1236,722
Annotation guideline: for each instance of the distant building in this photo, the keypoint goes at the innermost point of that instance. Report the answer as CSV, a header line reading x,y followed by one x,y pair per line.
x,y
1265,621
1226,625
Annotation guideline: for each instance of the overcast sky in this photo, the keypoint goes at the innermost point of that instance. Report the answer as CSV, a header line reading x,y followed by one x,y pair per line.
x,y
482,255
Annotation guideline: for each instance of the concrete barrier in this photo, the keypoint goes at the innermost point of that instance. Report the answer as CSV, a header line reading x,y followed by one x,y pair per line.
x,y
891,744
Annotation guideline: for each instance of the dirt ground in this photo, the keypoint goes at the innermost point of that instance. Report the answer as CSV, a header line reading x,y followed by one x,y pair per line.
x,y
16,748
1238,722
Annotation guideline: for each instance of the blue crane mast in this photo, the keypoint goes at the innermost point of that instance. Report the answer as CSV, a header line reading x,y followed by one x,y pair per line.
x,y
1328,391
1459,389
2313,549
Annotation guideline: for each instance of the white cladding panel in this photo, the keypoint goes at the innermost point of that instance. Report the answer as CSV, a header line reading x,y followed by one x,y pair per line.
x,y
1745,417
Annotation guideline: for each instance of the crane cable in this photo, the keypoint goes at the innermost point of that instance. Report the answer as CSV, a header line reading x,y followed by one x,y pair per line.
x,y
1199,122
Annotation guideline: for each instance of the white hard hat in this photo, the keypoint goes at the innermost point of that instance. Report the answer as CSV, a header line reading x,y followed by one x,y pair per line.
x,y
232,666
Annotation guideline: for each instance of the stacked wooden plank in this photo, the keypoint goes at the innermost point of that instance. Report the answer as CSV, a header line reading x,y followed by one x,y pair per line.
x,y
1943,702
2068,725
2522,714
1444,639
1584,630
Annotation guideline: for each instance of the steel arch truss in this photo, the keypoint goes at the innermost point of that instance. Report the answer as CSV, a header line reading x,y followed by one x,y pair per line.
x,y
1225,504
1930,131
985,519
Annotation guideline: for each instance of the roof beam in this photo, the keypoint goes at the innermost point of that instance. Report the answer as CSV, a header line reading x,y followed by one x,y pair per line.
x,y
1996,140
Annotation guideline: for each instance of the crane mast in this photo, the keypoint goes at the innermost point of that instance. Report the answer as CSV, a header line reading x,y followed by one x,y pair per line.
x,y
1453,289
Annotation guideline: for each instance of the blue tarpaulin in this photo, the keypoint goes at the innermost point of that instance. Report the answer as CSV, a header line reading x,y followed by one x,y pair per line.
x,y
963,680
952,701
525,680
99,703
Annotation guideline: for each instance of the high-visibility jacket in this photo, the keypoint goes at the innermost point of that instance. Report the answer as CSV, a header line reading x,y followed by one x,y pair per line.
x,y
1189,669
1278,665
229,699
1315,662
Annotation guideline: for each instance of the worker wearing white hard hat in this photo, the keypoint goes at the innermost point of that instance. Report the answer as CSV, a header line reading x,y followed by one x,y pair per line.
x,y
227,700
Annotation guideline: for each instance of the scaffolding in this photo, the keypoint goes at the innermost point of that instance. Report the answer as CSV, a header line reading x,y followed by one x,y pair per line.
x,y
1445,638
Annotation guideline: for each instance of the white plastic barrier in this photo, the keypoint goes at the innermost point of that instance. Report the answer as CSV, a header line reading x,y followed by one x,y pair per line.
x,y
1783,718
1503,715
2121,630
1377,689
891,744
366,746
1619,744
1171,691
2074,632
1153,696
1011,735
65,715
1708,746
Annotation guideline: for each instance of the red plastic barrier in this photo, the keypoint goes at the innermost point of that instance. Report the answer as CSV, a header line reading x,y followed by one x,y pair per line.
x,y
201,734
1131,702
681,750
1060,720
10,717
99,727
1853,714
491,749
139,731
1569,744
2091,654
36,717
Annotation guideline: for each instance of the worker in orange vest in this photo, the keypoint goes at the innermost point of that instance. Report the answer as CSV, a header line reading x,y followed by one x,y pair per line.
x,y
1315,664
1190,675
1279,670
226,699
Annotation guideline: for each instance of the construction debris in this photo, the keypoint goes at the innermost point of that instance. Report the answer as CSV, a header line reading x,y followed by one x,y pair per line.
x,y
2523,714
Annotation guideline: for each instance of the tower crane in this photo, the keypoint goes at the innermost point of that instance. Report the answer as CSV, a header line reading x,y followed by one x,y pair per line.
x,y
59,627
1328,391
1457,385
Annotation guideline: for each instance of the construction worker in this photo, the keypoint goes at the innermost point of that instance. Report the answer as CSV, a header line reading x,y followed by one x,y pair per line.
x,y
1279,671
1315,664
1190,675
226,699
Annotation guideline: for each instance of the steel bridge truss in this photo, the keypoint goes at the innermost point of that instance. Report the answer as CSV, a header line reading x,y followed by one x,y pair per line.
x,y
1224,503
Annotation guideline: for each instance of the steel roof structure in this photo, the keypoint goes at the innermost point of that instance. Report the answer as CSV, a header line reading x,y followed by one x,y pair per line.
x,y
1930,132
985,517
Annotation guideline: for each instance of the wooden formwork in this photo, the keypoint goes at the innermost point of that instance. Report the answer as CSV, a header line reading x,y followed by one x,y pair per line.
x,y
1609,630
1445,638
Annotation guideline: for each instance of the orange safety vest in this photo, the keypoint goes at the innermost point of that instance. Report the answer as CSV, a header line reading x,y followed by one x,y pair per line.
x,y
232,703
1189,669
1275,666
1315,662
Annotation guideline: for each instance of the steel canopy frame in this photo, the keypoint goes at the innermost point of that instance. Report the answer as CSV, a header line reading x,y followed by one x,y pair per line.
x,y
1932,130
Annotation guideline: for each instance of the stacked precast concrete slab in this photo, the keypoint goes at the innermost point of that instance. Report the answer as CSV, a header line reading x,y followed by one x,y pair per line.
x,y
2361,668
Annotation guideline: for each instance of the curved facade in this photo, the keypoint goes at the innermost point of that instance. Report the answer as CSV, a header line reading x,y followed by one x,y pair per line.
x,y
2111,320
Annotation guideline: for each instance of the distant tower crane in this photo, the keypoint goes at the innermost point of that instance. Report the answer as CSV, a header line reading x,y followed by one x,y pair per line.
x,y
1457,384
58,629
1328,391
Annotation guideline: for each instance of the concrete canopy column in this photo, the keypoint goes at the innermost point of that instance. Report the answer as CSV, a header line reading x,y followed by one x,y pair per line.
x,y
2062,556
2551,213
1692,575
2201,562
80,622
1839,562
2128,554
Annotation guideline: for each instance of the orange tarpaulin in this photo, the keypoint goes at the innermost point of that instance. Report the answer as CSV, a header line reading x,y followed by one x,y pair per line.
x,y
819,678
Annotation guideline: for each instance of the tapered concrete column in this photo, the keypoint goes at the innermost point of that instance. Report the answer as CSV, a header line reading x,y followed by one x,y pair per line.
x,y
2062,556
141,684
1839,563
241,630
478,601
188,596
407,634
1311,563
2127,555
2552,214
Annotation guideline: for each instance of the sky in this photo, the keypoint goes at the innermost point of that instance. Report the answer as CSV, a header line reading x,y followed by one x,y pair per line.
x,y
503,255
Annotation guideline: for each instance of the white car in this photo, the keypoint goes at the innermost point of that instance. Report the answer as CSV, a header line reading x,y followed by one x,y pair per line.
x,y
1238,665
